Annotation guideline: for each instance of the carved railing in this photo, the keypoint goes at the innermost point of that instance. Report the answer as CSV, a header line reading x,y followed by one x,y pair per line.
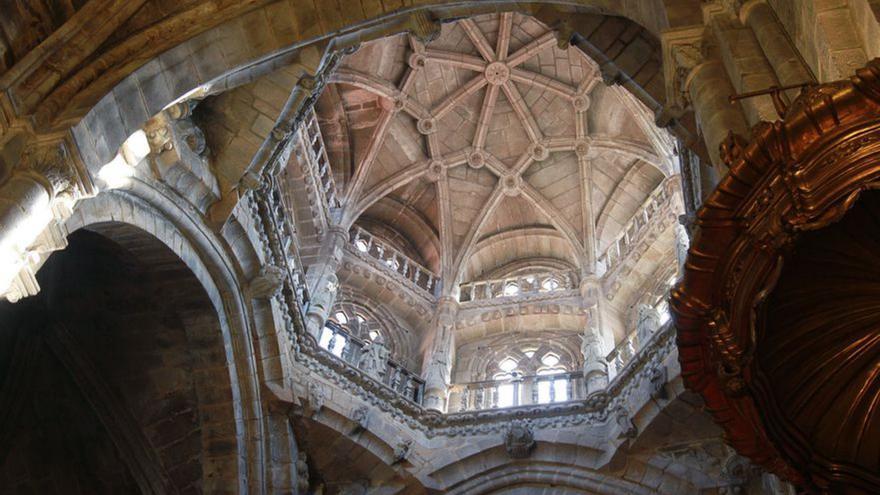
x,y
337,341
638,225
519,391
625,350
390,394
281,220
367,246
518,286
308,146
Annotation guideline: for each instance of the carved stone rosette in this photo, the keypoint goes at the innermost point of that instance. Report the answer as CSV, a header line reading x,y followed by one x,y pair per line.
x,y
776,315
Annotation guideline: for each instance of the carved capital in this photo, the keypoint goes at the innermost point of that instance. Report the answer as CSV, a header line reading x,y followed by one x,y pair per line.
x,y
52,165
683,50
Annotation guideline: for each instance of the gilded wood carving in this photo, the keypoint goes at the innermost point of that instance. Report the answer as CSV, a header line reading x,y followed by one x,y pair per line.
x,y
777,296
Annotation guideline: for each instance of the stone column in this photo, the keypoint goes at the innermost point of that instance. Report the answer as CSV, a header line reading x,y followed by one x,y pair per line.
x,y
595,368
786,63
44,178
697,79
744,61
709,88
438,361
322,280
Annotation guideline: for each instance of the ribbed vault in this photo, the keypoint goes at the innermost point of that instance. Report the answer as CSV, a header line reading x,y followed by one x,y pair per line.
x,y
490,145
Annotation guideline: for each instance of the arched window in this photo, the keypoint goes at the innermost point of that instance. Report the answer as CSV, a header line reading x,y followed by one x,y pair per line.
x,y
511,289
340,318
550,359
550,284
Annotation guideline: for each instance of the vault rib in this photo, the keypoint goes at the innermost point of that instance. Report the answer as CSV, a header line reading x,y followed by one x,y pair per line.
x,y
505,25
531,49
522,111
485,116
477,38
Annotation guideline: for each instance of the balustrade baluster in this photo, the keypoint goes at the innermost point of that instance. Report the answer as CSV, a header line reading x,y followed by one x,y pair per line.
x,y
332,342
409,390
396,379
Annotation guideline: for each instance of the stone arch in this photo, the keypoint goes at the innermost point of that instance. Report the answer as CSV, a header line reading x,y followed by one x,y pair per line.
x,y
140,338
250,358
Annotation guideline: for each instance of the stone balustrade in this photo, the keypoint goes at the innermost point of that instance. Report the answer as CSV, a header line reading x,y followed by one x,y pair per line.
x,y
366,245
391,393
627,349
516,391
337,341
638,226
309,146
281,219
518,286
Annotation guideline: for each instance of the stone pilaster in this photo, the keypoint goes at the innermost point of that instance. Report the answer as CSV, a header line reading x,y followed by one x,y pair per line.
x,y
438,361
322,280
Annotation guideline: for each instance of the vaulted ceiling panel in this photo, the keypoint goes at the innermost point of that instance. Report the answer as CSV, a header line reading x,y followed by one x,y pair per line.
x,y
469,191
557,179
501,143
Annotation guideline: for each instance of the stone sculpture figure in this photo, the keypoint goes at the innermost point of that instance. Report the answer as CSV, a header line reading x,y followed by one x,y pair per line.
x,y
595,370
519,440
401,450
375,357
361,418
316,398
302,472
628,428
648,323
